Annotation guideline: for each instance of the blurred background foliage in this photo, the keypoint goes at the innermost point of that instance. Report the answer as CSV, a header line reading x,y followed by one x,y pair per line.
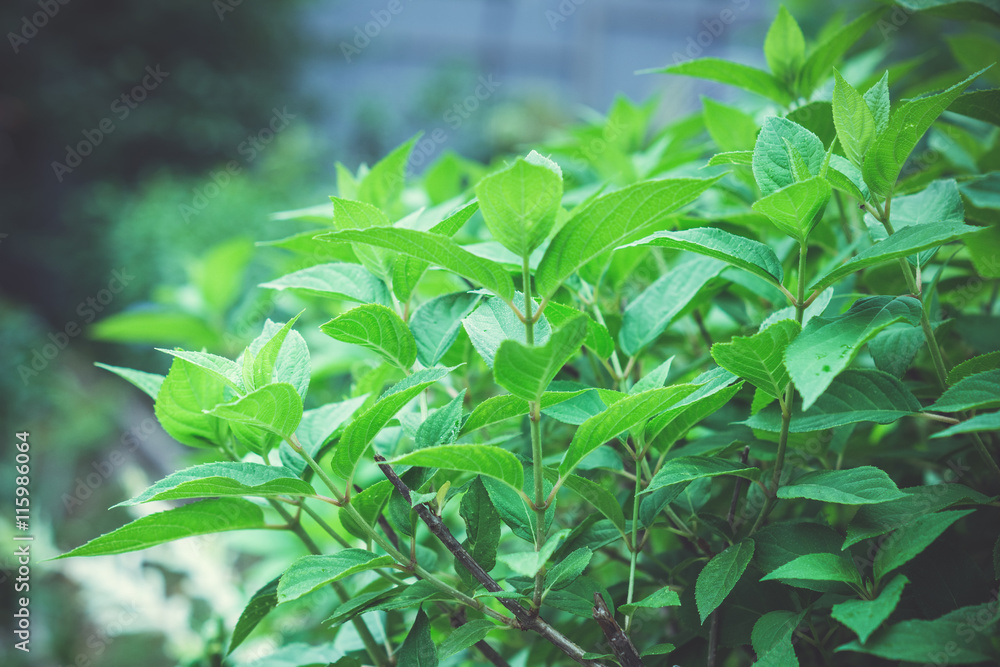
x,y
160,201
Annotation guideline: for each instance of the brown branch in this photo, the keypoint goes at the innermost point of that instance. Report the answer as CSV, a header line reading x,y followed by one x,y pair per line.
x,y
622,646
527,620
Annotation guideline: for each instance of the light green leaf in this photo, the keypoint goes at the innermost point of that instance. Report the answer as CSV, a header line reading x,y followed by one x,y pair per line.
x,y
155,327
226,370
226,478
656,307
150,383
441,426
359,433
744,158
656,649
519,203
906,542
619,418
720,575
494,322
479,459
818,567
383,183
186,392
907,125
464,636
747,254
853,118
877,99
975,392
731,129
527,371
259,606
978,424
781,146
335,280
275,408
278,354
733,74
675,423
436,250
689,468
598,339
784,47
565,572
844,176
609,221
207,516
915,640
319,425
508,406
310,573
854,396
436,323
665,597
357,215
864,616
825,55
905,242
407,271
796,209
856,486
827,345
759,358
378,329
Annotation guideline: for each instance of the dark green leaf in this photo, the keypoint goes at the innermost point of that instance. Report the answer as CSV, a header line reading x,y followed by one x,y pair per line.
x,y
719,576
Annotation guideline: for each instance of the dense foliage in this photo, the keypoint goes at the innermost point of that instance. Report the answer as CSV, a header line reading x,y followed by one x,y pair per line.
x,y
603,403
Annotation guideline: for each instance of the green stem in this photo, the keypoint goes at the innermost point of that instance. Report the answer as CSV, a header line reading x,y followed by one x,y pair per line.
x,y
635,539
293,442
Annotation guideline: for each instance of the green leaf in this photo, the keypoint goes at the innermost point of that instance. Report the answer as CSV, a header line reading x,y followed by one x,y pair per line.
x,y
689,468
877,99
864,616
978,424
845,177
674,424
383,183
598,339
259,606
359,433
201,518
368,503
377,328
856,486
278,354
853,118
479,459
731,129
772,638
854,396
908,541
979,104
482,528
720,574
186,392
441,426
784,150
827,345
464,636
275,408
984,362
155,327
818,567
784,46
744,158
515,509
974,392
495,322
602,499
759,358
656,307
873,520
747,254
796,209
148,382
508,406
527,371
408,271
824,56
220,273
566,571
436,323
226,370
226,478
656,649
609,221
732,74
319,425
907,125
336,280
436,250
919,640
665,597
310,573
357,215
519,203
905,242
619,418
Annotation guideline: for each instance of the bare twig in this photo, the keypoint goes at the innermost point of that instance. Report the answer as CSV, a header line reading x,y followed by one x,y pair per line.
x,y
622,646
527,619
